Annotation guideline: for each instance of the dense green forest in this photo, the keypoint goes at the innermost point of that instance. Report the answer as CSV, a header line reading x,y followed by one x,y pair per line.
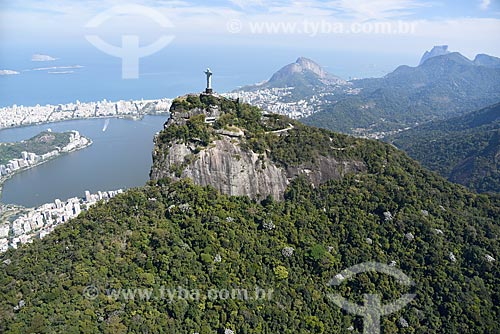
x,y
465,149
173,240
40,144
180,236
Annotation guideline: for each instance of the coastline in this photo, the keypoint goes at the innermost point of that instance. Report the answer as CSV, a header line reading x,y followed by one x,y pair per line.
x,y
10,210
3,179
21,116
124,116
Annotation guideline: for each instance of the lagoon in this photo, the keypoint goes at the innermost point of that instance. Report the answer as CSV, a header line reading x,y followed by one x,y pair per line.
x,y
119,158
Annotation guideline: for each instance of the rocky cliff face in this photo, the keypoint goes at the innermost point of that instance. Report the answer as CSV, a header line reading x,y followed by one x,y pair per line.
x,y
228,162
436,51
226,167
487,61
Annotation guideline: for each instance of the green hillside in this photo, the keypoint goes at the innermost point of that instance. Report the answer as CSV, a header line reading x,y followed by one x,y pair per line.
x,y
40,144
465,149
175,237
442,87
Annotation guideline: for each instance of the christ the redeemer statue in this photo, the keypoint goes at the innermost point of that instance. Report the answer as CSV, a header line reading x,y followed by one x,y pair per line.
x,y
209,89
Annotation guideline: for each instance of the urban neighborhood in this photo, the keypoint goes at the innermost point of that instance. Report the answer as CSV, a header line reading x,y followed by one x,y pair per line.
x,y
30,159
39,222
19,115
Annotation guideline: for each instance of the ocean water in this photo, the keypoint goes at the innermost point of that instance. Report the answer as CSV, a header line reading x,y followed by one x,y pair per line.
x,y
174,71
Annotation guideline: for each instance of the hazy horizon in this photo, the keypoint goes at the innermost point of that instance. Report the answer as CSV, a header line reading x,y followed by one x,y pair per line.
x,y
244,42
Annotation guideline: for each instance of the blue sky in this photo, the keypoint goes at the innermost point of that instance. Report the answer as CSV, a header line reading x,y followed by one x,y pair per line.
x,y
470,27
243,41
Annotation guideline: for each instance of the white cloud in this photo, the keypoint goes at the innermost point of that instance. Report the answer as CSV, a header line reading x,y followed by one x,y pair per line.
x,y
485,4
8,72
41,57
61,72
247,3
204,23
377,9
359,9
56,68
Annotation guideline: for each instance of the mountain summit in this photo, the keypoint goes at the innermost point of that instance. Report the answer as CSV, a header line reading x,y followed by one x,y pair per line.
x,y
238,150
305,76
305,71
296,90
439,50
480,59
487,61
302,65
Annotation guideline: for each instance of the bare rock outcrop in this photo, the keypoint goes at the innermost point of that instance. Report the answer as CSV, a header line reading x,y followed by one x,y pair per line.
x,y
228,165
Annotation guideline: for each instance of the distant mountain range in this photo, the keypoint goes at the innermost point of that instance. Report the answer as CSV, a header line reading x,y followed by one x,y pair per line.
x,y
445,85
464,149
480,60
